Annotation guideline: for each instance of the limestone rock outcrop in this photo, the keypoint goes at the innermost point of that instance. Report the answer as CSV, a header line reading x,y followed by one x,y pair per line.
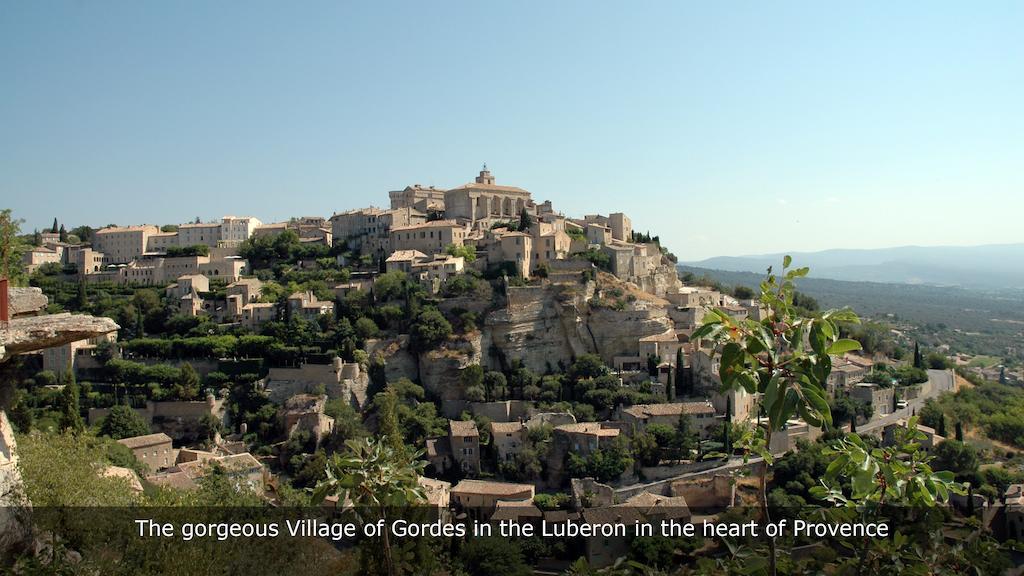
x,y
26,301
23,335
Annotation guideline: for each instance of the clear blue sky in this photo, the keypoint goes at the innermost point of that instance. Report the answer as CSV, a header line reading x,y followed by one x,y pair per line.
x,y
753,128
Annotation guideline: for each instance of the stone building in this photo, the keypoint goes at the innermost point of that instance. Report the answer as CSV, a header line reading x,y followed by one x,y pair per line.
x,y
422,198
507,438
305,412
483,202
123,244
640,416
479,498
307,306
154,451
256,314
429,238
39,255
368,230
465,443
202,233
879,398
403,260
237,229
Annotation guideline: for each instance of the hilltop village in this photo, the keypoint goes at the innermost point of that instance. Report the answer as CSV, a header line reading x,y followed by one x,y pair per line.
x,y
542,363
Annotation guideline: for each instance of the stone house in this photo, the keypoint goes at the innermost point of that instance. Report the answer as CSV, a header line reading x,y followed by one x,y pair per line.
x,y
479,498
465,443
39,255
403,260
257,314
186,284
244,470
639,416
432,273
880,398
305,412
249,289
154,451
585,438
507,438
307,306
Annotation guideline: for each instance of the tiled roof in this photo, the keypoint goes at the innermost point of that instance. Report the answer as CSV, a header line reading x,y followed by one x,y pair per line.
x,y
113,229
434,224
405,256
673,409
478,186
463,428
506,427
491,488
147,440
592,428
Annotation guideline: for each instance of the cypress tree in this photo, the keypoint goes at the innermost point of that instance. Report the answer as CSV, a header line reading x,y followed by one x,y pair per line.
x,y
55,229
941,429
918,361
71,415
680,384
387,419
959,431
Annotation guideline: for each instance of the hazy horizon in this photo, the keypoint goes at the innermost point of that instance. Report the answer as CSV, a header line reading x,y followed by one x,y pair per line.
x,y
790,127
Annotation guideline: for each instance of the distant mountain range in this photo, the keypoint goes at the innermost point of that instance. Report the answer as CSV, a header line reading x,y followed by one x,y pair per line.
x,y
995,266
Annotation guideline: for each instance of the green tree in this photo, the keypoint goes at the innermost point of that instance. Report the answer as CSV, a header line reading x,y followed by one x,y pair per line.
x,y
959,458
366,328
64,470
492,555
123,422
70,413
495,385
465,251
429,330
386,405
785,357
11,248
525,220
678,387
378,480
188,383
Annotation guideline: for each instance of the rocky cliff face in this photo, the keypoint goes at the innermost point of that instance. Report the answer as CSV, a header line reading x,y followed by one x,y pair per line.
x,y
15,532
545,326
661,281
440,372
